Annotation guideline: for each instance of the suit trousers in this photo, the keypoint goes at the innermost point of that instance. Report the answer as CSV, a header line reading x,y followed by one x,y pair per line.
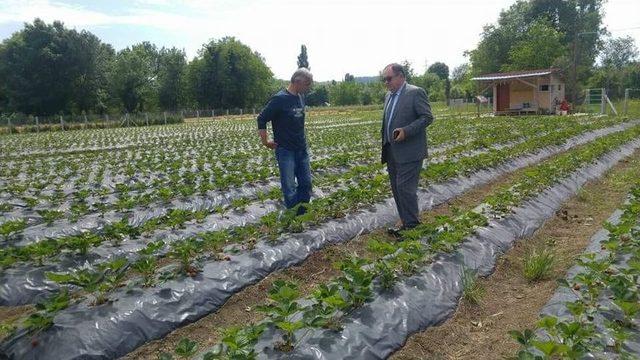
x,y
404,179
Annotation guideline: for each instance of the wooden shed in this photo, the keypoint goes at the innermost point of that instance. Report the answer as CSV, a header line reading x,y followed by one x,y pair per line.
x,y
524,92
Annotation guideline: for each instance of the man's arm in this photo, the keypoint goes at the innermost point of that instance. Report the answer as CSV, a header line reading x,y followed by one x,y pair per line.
x,y
265,116
423,110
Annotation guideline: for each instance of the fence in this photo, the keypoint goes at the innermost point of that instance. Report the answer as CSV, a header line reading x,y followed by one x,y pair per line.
x,y
470,105
18,123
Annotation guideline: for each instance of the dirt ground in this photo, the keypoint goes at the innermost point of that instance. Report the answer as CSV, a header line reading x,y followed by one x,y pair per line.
x,y
510,302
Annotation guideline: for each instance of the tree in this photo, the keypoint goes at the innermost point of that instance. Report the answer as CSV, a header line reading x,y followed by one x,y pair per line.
x,y
618,68
172,65
228,74
345,93
619,52
349,78
538,49
439,68
303,61
571,19
318,96
134,77
434,86
408,70
46,69
461,84
442,70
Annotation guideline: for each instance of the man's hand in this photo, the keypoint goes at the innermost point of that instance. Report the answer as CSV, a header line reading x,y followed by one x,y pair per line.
x,y
398,134
263,137
270,144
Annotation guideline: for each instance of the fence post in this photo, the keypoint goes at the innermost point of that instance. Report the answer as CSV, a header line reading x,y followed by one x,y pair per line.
x,y
9,123
146,118
126,116
212,113
182,114
61,122
240,111
626,101
86,121
37,125
198,114
227,111
254,111
602,100
165,117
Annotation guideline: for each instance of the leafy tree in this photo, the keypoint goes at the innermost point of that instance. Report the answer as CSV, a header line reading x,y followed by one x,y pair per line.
x,y
434,86
442,70
462,86
408,70
134,77
572,19
303,61
345,93
619,52
318,96
46,69
172,65
439,68
349,78
228,74
538,49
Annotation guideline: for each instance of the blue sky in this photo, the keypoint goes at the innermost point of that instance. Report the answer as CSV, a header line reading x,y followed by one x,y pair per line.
x,y
354,36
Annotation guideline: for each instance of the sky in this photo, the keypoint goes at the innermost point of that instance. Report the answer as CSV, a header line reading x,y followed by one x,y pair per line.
x,y
342,36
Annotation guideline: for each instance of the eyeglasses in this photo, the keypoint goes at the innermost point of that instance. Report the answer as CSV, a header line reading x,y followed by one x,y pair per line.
x,y
387,79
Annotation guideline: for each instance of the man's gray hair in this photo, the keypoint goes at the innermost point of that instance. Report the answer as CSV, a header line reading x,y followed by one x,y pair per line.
x,y
301,74
397,69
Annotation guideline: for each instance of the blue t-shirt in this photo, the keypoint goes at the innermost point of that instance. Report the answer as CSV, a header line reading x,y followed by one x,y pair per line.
x,y
286,113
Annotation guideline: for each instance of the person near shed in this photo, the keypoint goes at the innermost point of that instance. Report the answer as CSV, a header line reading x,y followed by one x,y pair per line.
x,y
286,112
564,107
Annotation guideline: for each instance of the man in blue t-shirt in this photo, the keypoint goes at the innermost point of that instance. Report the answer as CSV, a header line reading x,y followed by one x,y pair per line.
x,y
285,110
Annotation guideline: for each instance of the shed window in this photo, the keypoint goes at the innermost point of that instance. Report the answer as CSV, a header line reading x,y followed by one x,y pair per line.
x,y
544,87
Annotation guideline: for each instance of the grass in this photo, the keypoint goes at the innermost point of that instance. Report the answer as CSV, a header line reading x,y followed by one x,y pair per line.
x,y
538,264
472,290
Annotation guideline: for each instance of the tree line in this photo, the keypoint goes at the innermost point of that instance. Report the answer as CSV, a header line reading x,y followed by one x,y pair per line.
x,y
48,69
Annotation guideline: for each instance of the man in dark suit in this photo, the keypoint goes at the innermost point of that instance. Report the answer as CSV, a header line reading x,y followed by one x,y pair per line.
x,y
407,114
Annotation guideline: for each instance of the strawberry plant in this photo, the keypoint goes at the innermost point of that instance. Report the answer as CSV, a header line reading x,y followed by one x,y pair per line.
x,y
186,348
355,281
281,307
185,251
11,227
49,216
237,343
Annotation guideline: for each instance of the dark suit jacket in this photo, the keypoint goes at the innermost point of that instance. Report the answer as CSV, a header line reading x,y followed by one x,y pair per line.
x,y
413,114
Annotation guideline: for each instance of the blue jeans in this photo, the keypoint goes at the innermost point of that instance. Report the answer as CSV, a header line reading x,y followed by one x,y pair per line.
x,y
294,165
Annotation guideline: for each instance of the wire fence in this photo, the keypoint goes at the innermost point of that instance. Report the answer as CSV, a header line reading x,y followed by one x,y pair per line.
x,y
24,123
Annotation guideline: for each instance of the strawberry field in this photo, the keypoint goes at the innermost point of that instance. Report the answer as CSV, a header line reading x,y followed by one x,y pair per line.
x,y
113,238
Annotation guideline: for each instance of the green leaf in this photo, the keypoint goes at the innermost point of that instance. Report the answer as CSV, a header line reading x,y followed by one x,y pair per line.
x,y
186,347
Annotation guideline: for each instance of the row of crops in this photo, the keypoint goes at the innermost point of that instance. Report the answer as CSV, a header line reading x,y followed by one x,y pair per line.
x,y
112,238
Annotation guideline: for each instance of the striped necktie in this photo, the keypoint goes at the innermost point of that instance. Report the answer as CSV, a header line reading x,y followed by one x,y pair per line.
x,y
387,117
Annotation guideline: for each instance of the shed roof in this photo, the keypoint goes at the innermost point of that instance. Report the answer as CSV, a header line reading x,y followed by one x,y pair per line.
x,y
515,74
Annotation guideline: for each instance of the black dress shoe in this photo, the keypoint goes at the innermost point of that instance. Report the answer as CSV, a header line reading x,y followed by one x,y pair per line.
x,y
301,210
397,231
394,231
